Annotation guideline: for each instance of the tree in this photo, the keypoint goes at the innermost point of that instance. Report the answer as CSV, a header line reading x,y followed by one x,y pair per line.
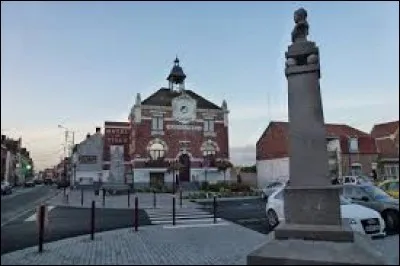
x,y
223,165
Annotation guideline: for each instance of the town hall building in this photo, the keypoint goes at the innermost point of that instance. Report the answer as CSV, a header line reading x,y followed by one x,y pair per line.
x,y
175,124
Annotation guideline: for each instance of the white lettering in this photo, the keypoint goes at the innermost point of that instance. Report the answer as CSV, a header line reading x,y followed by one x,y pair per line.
x,y
184,127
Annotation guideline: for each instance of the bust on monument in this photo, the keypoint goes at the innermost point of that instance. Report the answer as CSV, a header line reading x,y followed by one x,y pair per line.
x,y
300,30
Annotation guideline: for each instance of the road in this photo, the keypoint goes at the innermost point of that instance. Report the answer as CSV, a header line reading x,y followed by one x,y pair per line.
x,y
23,200
249,213
65,222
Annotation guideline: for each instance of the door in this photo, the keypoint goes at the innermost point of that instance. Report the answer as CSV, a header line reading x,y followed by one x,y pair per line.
x,y
184,172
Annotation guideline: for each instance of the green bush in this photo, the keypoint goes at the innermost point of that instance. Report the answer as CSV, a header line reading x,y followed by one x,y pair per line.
x,y
240,187
204,186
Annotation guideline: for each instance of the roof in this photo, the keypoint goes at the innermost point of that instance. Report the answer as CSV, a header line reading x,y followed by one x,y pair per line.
x,y
164,96
387,148
384,129
277,133
116,123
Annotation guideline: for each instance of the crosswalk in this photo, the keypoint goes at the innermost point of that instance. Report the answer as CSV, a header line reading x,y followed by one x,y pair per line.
x,y
182,216
32,218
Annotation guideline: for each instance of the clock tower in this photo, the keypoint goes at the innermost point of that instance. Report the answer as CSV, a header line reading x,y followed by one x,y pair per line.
x,y
176,77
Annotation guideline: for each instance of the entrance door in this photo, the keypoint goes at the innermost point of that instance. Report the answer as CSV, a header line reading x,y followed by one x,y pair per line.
x,y
184,172
156,180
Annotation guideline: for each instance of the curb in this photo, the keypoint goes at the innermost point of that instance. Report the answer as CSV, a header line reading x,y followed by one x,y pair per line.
x,y
226,199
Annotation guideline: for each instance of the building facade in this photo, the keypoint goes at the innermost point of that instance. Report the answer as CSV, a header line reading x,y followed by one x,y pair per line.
x,y
87,160
350,152
387,141
175,124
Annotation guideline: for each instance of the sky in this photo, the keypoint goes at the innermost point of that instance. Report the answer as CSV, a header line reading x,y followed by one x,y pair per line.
x,y
80,63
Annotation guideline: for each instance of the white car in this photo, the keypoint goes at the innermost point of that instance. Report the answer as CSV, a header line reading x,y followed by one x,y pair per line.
x,y
360,218
270,188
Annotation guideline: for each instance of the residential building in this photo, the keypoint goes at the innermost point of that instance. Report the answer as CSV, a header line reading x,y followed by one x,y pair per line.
x,y
350,152
387,141
175,124
87,160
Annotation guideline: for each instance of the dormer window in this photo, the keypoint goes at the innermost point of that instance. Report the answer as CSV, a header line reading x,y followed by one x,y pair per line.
x,y
353,145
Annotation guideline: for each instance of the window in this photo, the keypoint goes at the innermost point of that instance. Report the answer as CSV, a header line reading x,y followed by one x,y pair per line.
x,y
279,196
208,125
353,145
157,123
157,151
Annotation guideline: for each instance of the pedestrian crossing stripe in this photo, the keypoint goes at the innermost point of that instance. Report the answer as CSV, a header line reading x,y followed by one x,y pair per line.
x,y
32,218
187,216
189,221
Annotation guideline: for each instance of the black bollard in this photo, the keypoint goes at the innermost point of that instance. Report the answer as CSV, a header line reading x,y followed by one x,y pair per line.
x,y
129,197
92,219
215,209
81,196
41,227
180,198
104,197
136,213
173,210
64,191
154,199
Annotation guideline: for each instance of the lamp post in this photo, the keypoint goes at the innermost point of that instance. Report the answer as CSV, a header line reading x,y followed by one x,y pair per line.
x,y
68,152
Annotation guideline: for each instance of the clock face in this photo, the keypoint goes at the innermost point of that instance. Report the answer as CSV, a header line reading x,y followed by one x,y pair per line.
x,y
184,109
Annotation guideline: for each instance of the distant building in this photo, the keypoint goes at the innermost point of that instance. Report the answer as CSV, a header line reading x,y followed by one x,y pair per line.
x,y
350,152
177,124
87,160
387,141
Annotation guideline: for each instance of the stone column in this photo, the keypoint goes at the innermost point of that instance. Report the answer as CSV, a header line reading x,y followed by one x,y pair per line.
x,y
312,233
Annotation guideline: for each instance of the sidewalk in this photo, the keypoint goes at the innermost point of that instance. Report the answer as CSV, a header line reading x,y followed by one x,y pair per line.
x,y
163,200
226,244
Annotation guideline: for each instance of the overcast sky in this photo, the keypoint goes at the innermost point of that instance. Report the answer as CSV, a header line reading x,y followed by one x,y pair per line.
x,y
81,63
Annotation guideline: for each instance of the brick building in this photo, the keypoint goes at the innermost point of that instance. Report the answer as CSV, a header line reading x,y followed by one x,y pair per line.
x,y
387,141
177,124
350,151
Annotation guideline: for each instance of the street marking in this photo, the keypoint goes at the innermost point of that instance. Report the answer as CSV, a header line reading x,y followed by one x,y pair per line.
x,y
193,225
33,217
184,221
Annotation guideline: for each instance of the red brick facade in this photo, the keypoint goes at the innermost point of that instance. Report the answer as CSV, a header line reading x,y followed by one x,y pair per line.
x,y
116,133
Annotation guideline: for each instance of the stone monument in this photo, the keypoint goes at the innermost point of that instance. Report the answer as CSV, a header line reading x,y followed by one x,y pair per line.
x,y
313,232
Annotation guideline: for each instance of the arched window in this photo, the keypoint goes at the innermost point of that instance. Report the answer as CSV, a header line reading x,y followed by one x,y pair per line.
x,y
157,151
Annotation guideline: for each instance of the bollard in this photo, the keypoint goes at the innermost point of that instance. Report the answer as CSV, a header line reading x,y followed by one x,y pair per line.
x,y
154,199
82,196
215,209
129,197
104,197
67,198
41,227
173,210
180,198
92,219
64,191
136,213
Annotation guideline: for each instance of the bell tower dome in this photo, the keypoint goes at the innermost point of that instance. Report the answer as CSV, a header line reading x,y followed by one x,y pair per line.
x,y
176,77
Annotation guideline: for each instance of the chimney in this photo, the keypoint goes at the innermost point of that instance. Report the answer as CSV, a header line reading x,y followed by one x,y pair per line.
x,y
87,135
98,129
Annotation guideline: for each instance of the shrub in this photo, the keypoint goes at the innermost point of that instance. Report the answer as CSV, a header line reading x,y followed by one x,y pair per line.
x,y
204,186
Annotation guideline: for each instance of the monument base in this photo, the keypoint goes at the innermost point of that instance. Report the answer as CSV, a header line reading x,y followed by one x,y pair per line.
x,y
307,252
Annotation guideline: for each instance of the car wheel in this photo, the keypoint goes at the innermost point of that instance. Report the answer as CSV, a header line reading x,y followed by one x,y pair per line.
x,y
391,221
272,219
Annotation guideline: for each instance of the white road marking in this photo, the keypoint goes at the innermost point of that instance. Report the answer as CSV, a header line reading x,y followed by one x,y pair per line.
x,y
185,221
33,217
193,225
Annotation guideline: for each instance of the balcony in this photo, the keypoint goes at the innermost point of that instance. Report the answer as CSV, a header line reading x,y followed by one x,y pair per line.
x,y
156,164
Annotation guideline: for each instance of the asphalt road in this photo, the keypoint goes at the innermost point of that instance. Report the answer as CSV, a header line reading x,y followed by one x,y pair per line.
x,y
249,213
65,222
23,200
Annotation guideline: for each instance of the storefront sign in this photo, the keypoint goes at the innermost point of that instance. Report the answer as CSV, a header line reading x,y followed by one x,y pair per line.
x,y
87,159
117,136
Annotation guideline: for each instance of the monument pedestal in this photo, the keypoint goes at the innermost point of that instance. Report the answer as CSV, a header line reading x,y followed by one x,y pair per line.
x,y
308,252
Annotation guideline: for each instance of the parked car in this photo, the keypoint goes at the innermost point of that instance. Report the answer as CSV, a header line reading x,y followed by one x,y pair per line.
x,y
361,219
376,199
270,188
356,180
6,188
63,184
391,187
38,181
29,183
48,181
